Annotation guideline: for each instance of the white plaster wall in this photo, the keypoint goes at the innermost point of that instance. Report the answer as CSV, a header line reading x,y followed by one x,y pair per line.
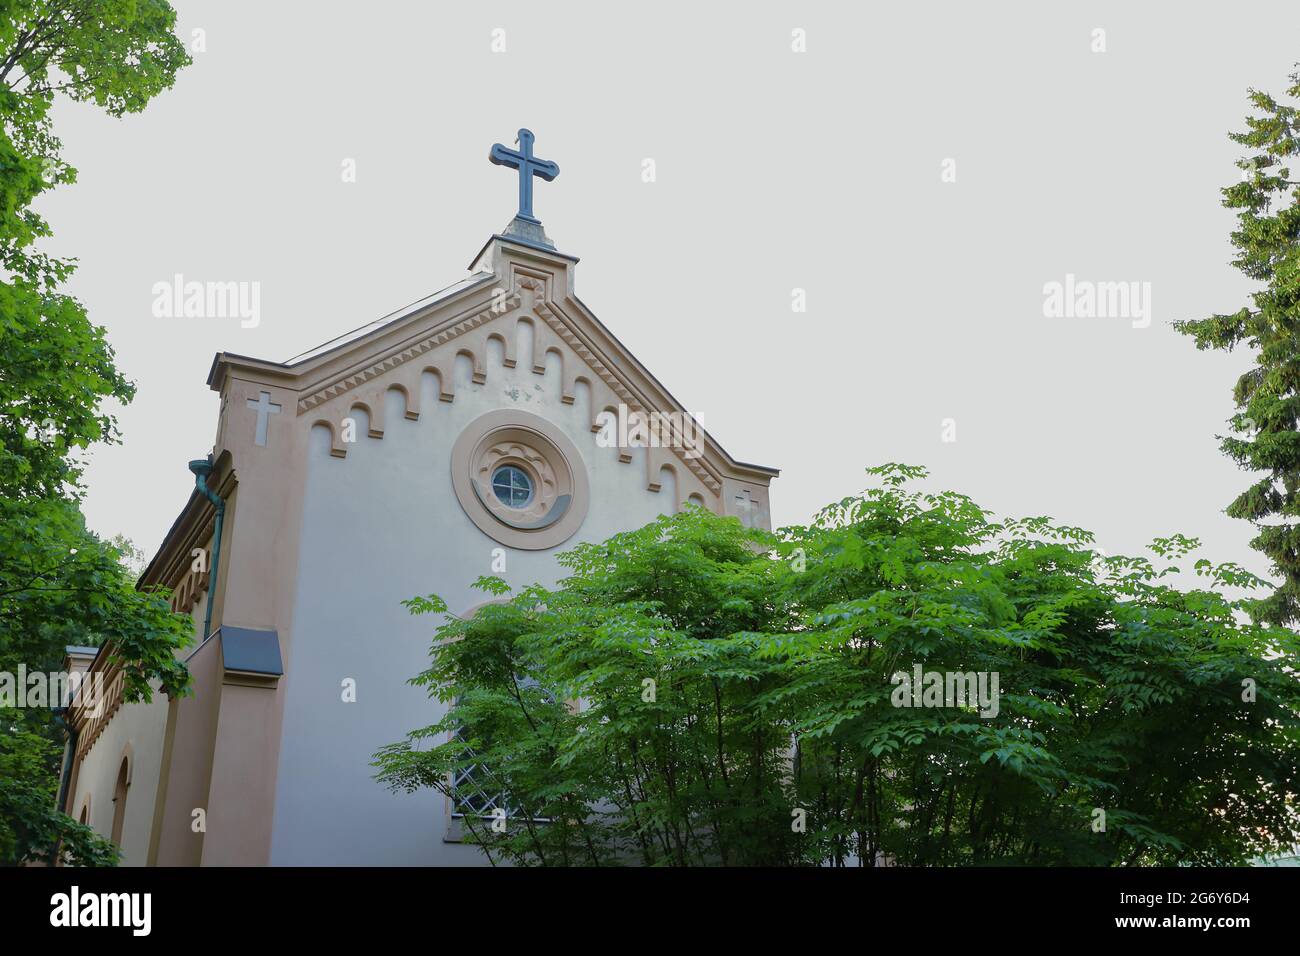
x,y
143,727
380,526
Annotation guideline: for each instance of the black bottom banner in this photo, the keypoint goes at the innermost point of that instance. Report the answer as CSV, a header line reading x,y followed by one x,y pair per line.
x,y
933,908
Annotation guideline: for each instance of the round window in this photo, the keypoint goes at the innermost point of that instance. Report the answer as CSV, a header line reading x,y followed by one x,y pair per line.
x,y
520,479
512,486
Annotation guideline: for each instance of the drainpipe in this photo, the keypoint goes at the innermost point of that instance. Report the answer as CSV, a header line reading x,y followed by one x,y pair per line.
x,y
202,469
65,774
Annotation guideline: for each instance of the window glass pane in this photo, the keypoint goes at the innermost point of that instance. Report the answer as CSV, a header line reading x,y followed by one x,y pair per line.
x,y
512,486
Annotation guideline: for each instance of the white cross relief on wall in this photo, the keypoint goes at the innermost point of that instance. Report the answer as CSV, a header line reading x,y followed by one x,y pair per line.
x,y
265,408
750,510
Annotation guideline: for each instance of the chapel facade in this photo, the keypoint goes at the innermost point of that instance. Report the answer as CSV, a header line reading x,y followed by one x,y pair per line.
x,y
465,432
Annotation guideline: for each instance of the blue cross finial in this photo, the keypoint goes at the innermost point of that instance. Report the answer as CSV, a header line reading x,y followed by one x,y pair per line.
x,y
528,165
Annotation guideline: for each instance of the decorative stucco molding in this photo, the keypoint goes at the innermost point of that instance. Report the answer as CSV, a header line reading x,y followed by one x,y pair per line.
x,y
607,375
91,716
447,339
372,402
192,584
562,489
349,382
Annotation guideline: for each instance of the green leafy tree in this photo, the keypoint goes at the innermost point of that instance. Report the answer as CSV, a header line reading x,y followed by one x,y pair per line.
x,y
59,583
697,693
1265,438
32,825
659,631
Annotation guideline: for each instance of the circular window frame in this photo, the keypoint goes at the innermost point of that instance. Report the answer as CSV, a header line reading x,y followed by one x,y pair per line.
x,y
561,488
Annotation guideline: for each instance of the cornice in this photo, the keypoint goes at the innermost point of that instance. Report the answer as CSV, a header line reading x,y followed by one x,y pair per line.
x,y
90,726
621,388
517,266
402,355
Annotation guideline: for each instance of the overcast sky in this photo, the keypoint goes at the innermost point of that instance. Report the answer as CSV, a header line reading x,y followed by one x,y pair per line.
x,y
775,170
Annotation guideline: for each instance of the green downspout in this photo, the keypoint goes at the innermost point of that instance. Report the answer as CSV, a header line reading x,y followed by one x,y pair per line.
x,y
202,468
65,774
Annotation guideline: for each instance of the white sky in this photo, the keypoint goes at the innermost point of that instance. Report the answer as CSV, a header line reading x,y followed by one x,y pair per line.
x,y
775,171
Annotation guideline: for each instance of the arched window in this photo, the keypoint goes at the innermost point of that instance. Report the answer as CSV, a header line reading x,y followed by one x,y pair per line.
x,y
119,799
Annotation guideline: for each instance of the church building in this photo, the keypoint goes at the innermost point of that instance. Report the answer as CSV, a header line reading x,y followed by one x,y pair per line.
x,y
467,432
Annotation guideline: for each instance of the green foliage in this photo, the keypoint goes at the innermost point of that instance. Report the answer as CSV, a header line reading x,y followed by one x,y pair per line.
x,y
117,54
60,584
30,826
57,370
1264,431
733,682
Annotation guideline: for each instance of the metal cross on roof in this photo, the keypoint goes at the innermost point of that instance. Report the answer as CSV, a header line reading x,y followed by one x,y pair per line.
x,y
528,165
